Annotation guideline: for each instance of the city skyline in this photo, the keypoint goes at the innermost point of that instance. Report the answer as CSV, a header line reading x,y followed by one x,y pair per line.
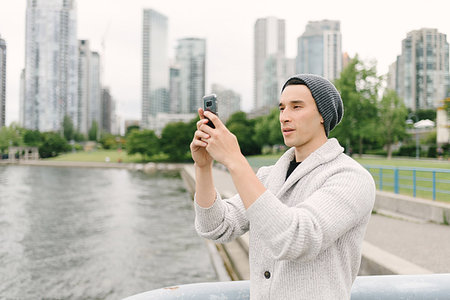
x,y
228,29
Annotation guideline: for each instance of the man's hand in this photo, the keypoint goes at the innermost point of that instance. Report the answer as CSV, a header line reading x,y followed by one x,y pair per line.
x,y
198,145
222,145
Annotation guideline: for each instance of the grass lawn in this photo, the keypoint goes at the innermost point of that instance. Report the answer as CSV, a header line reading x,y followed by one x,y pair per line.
x,y
99,156
424,180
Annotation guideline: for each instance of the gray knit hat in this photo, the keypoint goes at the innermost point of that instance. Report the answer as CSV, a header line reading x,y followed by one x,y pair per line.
x,y
328,99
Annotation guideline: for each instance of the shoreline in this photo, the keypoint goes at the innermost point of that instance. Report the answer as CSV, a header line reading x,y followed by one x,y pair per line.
x,y
145,167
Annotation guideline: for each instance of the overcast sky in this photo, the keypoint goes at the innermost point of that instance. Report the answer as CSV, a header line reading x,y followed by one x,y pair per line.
x,y
373,29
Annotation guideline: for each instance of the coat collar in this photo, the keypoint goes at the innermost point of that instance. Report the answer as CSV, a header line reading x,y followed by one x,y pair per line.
x,y
325,153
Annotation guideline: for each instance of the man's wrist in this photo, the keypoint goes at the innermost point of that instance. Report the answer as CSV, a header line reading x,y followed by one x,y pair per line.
x,y
205,167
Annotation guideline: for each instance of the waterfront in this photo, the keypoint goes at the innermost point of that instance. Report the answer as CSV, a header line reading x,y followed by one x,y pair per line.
x,y
95,233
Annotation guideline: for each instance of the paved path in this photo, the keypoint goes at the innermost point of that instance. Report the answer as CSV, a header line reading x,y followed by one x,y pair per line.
x,y
426,245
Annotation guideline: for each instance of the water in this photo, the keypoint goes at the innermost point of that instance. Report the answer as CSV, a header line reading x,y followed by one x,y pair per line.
x,y
77,233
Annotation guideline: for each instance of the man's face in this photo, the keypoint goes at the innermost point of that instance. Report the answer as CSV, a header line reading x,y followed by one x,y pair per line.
x,y
301,122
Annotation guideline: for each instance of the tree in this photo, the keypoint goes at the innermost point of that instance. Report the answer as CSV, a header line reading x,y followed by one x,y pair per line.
x,y
131,128
268,130
244,130
52,145
144,142
68,129
392,115
32,138
93,131
358,85
108,141
424,114
10,136
175,140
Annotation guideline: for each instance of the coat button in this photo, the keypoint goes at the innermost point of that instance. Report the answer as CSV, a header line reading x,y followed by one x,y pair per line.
x,y
267,274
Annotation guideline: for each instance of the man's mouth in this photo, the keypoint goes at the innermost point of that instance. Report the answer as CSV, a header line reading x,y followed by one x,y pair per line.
x,y
287,130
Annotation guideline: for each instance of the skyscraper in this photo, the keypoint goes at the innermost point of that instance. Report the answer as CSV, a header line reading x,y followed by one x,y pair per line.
x,y
229,101
269,49
191,58
108,111
2,82
155,66
421,72
51,56
174,89
319,49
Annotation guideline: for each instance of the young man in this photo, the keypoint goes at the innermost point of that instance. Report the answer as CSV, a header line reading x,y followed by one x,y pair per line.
x,y
306,215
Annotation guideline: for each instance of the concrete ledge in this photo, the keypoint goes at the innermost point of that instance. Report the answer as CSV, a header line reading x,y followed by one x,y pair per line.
x,y
376,261
428,210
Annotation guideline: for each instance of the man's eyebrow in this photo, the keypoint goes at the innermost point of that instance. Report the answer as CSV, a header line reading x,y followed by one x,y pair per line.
x,y
293,102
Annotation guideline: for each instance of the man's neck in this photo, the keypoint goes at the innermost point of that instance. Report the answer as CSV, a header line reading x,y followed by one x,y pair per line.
x,y
303,151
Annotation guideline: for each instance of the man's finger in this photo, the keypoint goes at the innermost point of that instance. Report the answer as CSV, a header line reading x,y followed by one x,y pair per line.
x,y
214,119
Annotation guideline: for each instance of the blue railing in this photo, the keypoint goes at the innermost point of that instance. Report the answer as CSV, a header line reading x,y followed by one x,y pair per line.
x,y
418,182
388,287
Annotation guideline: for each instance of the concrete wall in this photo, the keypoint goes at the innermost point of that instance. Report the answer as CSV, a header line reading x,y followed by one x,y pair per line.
x,y
426,210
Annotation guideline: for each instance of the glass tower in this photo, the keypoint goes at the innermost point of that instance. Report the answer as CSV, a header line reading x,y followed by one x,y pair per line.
x,y
2,82
191,59
423,69
51,64
155,66
319,49
269,49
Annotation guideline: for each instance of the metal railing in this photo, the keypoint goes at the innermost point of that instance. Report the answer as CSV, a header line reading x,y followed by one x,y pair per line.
x,y
388,287
418,182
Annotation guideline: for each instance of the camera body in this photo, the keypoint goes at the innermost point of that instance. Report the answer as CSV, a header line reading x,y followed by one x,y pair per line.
x,y
210,104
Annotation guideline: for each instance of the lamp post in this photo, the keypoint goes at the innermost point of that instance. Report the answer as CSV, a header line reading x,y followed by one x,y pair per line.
x,y
409,121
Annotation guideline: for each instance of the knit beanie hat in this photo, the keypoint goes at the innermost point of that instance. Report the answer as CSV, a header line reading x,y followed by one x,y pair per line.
x,y
328,99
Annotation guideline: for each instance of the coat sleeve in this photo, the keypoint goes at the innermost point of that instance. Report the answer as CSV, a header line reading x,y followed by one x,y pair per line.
x,y
226,218
301,232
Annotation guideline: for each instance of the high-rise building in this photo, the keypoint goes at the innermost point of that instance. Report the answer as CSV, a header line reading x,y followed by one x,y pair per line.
x,y
228,101
51,64
320,50
2,82
95,95
421,72
269,60
89,88
108,111
155,66
175,90
191,58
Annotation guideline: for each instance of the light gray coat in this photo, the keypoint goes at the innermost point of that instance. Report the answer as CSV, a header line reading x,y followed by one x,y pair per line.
x,y
307,231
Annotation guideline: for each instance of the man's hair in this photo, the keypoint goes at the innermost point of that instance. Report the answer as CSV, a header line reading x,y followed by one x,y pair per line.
x,y
293,81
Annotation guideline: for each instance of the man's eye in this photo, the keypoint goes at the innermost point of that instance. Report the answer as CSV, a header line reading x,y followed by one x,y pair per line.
x,y
297,106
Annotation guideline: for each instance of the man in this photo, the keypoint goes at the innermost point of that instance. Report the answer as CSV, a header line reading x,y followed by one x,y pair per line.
x,y
306,215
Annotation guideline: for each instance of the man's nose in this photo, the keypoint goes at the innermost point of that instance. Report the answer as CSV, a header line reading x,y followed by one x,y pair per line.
x,y
284,116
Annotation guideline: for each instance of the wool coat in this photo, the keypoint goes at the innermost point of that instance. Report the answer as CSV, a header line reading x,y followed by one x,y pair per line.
x,y
306,232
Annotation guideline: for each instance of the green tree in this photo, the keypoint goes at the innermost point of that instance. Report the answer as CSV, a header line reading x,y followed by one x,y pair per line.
x,y
392,115
92,134
52,145
144,142
268,130
68,129
358,85
175,140
131,128
10,136
108,141
244,130
424,114
32,138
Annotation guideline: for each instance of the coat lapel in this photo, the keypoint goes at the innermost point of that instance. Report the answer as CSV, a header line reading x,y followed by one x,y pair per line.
x,y
276,180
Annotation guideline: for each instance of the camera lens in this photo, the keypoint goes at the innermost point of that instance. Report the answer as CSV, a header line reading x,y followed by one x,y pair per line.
x,y
209,103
